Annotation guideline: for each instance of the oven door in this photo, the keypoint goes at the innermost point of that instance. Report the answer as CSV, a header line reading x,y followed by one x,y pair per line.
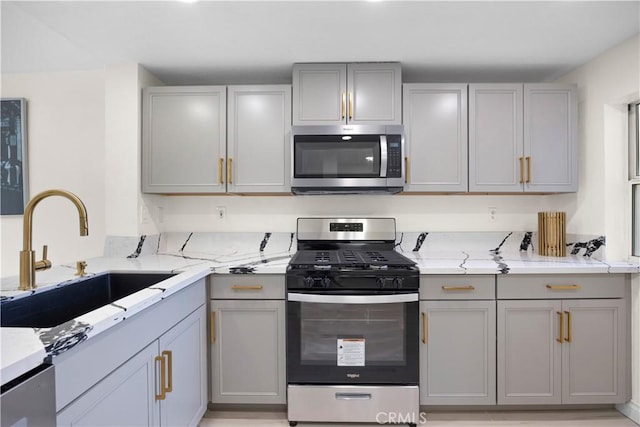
x,y
352,338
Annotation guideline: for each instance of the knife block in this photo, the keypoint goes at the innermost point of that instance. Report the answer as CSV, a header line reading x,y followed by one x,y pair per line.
x,y
552,234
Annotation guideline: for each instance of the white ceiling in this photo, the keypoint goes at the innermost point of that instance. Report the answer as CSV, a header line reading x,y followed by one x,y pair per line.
x,y
214,42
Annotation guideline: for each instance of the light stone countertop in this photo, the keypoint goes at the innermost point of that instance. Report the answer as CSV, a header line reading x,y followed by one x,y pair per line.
x,y
196,255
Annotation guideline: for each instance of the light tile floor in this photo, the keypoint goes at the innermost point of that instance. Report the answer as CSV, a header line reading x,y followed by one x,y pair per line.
x,y
559,418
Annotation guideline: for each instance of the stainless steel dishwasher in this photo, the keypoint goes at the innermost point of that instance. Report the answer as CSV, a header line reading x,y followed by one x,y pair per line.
x,y
30,399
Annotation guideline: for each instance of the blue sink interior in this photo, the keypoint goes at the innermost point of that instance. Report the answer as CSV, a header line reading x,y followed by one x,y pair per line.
x,y
58,305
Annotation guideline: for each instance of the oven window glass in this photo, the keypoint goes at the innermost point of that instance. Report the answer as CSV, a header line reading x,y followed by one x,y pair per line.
x,y
327,159
378,327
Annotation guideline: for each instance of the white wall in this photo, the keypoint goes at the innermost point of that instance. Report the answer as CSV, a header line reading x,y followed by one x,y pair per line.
x,y
66,132
606,85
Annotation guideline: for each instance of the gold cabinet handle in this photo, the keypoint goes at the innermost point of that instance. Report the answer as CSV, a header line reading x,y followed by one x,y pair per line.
x,y
220,166
569,326
522,170
561,328
350,105
458,288
343,104
528,169
213,327
163,391
424,328
406,170
229,173
169,356
563,287
246,288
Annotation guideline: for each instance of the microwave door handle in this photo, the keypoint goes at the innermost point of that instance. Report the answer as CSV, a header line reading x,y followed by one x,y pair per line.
x,y
383,156
353,299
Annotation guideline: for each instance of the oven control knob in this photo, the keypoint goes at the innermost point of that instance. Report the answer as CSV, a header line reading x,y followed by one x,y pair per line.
x,y
326,282
308,281
381,282
397,282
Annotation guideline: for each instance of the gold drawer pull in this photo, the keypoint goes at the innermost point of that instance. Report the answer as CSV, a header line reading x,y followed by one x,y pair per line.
x,y
220,166
424,328
246,288
564,287
406,170
528,169
229,171
561,327
569,327
343,104
213,327
522,180
458,288
163,388
170,365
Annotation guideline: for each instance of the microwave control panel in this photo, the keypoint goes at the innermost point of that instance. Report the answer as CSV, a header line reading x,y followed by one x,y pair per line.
x,y
394,156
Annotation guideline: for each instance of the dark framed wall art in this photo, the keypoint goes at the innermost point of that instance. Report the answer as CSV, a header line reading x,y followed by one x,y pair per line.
x,y
13,156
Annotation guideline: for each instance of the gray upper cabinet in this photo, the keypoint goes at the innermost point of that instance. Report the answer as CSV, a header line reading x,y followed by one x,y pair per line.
x,y
258,144
523,138
435,123
183,139
335,94
495,137
550,138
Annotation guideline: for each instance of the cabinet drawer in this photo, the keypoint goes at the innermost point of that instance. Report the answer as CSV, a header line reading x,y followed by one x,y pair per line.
x,y
457,287
254,286
562,286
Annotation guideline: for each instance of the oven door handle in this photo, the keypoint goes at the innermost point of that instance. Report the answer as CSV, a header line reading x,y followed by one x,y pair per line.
x,y
353,299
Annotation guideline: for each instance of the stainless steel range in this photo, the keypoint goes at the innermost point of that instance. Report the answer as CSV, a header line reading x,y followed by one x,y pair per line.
x,y
352,324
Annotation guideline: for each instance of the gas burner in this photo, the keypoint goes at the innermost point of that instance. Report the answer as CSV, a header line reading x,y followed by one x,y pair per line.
x,y
323,257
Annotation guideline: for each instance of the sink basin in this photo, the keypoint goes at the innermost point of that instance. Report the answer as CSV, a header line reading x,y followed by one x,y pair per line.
x,y
58,305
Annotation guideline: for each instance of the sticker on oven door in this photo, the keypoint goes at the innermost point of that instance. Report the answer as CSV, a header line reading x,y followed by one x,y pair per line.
x,y
350,351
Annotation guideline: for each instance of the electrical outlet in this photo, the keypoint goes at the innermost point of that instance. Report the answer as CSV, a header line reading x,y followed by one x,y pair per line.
x,y
492,213
221,213
144,215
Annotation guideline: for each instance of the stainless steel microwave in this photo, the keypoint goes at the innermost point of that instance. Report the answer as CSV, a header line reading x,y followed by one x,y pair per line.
x,y
347,159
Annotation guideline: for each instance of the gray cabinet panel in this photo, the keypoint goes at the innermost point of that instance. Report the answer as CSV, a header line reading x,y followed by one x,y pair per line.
x,y
435,120
550,137
248,351
529,357
337,94
124,398
495,137
458,353
594,360
183,139
187,344
259,135
319,92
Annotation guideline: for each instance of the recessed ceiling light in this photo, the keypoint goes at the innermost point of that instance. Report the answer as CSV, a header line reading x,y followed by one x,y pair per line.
x,y
346,138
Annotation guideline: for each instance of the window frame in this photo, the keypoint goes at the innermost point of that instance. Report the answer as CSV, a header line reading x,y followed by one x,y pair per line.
x,y
634,178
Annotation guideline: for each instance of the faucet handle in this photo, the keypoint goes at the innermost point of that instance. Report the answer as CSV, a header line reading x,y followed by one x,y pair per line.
x,y
80,266
43,264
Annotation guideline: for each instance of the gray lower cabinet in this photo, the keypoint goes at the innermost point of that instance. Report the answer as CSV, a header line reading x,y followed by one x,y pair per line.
x,y
162,385
563,351
248,339
458,355
435,123
458,335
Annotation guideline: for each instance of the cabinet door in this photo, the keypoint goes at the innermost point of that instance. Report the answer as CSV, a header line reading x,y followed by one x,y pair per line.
x,y
550,137
496,157
183,139
184,348
374,94
594,354
435,124
126,397
319,94
458,353
259,139
529,355
248,351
